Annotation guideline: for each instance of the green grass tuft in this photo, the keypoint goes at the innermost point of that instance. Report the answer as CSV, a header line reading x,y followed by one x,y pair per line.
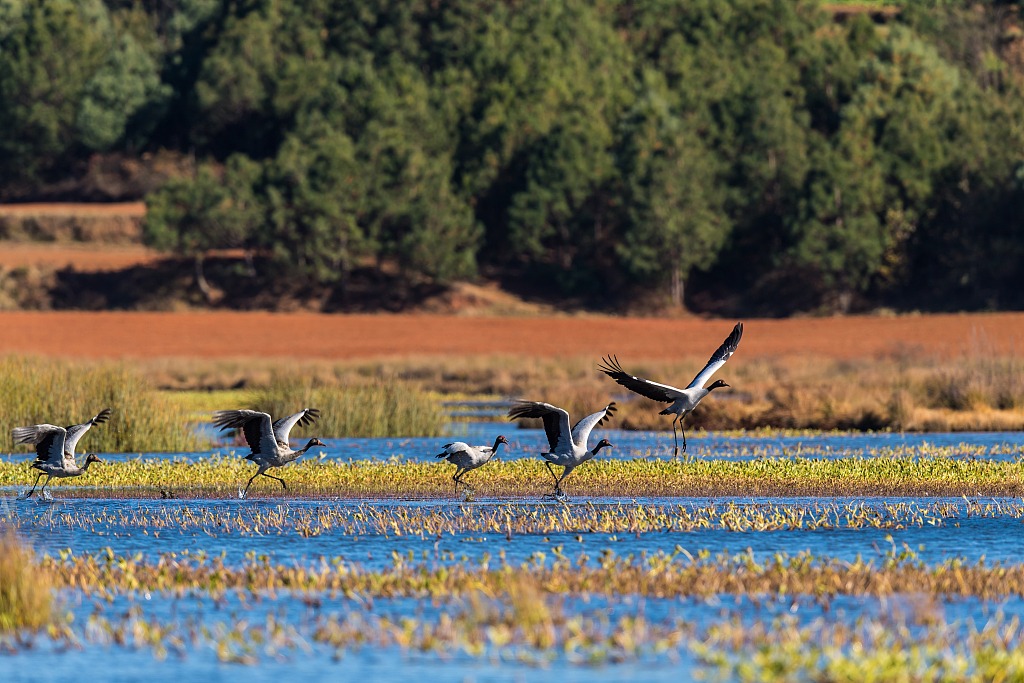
x,y
38,390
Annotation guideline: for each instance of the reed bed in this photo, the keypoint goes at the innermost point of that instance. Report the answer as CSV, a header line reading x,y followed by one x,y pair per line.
x,y
516,518
884,475
979,390
382,408
26,599
38,390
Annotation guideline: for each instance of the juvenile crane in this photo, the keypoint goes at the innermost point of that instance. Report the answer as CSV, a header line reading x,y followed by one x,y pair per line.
x,y
568,447
55,449
683,400
268,442
466,457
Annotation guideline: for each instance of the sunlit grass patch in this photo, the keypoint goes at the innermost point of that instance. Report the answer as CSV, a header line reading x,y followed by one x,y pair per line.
x,y
382,408
893,474
45,390
26,599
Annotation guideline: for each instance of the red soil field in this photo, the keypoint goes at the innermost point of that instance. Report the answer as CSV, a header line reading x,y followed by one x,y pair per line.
x,y
127,209
85,257
309,335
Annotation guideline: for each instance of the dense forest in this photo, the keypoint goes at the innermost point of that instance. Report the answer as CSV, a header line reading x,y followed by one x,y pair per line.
x,y
735,157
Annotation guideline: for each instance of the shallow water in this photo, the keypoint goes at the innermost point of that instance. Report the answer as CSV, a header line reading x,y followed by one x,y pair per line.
x,y
129,527
527,443
936,529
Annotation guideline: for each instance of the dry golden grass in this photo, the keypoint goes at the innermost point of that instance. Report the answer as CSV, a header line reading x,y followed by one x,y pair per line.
x,y
26,597
976,391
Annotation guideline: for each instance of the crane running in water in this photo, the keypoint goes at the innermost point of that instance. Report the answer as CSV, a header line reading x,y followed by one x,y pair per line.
x,y
467,458
268,442
568,447
55,450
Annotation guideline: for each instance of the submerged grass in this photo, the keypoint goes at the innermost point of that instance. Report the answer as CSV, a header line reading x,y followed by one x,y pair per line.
x,y
38,390
26,599
513,518
781,624
885,475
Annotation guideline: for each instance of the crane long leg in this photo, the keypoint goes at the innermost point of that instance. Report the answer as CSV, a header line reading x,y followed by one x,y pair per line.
x,y
33,489
675,437
43,488
553,475
258,473
283,485
565,473
456,479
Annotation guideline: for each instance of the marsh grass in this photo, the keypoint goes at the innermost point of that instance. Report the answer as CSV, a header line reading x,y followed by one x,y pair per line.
x,y
977,390
383,408
895,474
541,611
45,390
26,599
528,584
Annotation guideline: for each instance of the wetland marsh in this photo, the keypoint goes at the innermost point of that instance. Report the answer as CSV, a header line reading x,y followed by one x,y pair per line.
x,y
768,555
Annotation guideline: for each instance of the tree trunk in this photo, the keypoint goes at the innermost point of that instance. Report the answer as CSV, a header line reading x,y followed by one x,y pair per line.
x,y
201,282
678,288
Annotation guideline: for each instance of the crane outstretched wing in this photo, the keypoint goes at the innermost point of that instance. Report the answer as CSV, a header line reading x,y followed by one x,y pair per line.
x,y
556,422
718,358
283,426
645,387
49,442
581,430
255,427
76,432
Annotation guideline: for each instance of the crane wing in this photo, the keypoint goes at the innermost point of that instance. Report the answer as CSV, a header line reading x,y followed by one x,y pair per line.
x,y
255,427
556,422
76,432
639,385
283,426
581,431
48,440
718,358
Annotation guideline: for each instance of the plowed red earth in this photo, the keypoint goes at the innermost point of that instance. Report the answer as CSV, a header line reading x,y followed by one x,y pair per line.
x,y
86,258
284,335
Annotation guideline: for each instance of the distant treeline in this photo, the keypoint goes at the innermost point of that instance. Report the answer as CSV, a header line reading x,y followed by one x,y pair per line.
x,y
754,156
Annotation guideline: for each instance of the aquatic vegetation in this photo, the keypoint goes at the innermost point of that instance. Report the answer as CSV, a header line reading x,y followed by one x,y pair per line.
x,y
25,587
887,648
888,473
36,390
661,575
516,518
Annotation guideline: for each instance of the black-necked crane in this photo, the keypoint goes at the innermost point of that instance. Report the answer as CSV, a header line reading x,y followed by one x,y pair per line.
x,y
467,458
567,447
683,400
268,441
55,449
